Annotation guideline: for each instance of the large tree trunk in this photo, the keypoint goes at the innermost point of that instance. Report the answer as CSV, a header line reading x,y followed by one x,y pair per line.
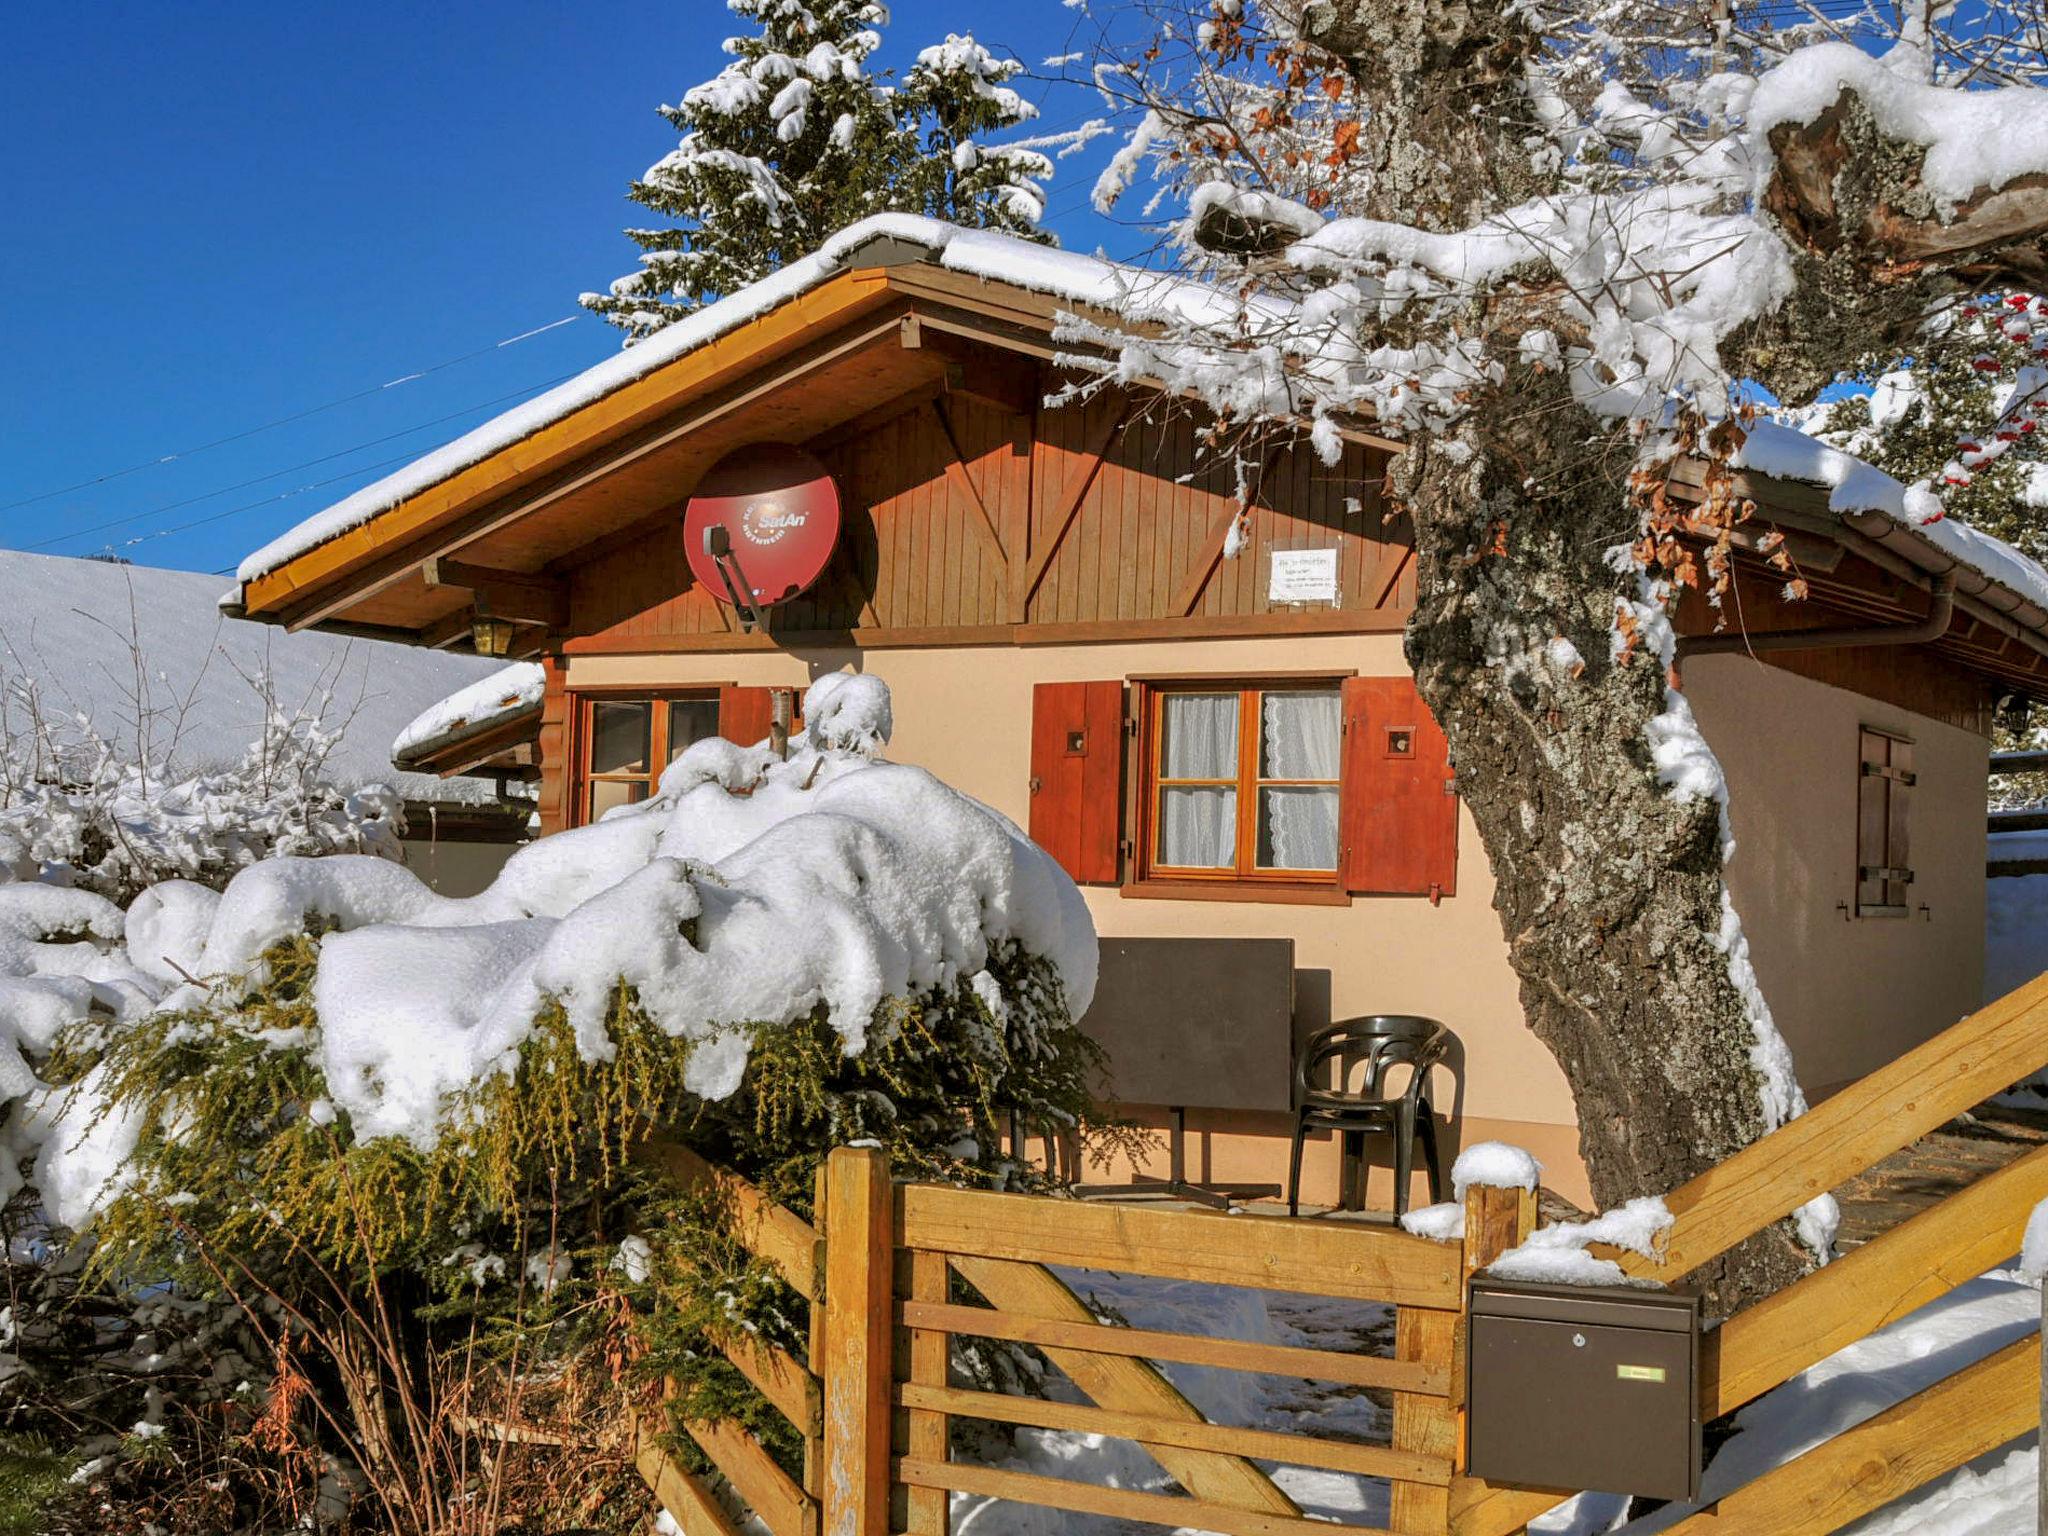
x,y
1609,889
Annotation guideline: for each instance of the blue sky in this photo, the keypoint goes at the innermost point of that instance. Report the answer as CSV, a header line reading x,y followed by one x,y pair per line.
x,y
220,215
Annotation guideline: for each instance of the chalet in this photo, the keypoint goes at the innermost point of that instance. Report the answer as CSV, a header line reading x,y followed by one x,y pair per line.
x,y
89,636
1206,718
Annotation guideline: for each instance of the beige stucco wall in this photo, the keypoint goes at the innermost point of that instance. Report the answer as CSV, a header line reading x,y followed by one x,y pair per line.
x,y
1848,994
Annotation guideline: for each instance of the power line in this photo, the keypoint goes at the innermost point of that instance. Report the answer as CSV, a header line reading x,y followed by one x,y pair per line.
x,y
281,421
266,501
339,453
251,506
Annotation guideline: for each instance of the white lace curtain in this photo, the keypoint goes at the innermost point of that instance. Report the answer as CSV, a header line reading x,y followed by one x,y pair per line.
x,y
1301,740
1198,823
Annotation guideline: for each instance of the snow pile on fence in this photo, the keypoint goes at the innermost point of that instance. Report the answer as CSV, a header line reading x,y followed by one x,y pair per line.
x,y
748,891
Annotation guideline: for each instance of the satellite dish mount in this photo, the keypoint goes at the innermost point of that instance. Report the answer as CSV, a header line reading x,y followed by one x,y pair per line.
x,y
739,592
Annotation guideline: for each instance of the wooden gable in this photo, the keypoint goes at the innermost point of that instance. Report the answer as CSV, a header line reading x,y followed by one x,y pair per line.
x,y
964,517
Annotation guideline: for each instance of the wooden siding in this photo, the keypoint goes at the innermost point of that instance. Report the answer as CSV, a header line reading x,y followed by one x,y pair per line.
x,y
961,515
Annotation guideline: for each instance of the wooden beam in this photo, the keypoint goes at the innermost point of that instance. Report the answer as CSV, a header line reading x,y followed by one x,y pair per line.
x,y
1161,1509
978,369
688,1502
514,595
1432,1377
770,1492
962,481
1025,582
771,1231
1125,1385
928,1511
1261,1252
1958,1419
1197,1435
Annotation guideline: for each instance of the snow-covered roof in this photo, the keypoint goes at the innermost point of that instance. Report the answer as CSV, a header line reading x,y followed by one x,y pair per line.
x,y
1085,281
472,710
75,628
1856,490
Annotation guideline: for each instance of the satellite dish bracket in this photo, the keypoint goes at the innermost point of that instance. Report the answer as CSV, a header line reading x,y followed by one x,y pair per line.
x,y
718,545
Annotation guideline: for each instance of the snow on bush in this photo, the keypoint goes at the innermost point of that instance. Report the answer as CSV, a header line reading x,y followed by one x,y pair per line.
x,y
747,892
79,808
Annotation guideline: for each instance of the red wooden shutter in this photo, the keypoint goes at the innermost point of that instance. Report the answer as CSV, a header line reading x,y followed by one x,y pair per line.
x,y
744,714
1399,814
1077,763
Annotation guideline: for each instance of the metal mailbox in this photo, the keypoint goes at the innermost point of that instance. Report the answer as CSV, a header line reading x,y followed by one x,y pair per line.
x,y
1596,1387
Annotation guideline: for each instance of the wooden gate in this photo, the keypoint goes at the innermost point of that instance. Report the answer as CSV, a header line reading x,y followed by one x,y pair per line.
x,y
898,1273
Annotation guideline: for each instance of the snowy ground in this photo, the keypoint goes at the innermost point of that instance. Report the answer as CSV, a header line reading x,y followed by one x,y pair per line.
x,y
1994,1495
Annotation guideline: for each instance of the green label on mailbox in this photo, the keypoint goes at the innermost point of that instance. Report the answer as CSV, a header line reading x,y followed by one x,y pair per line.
x,y
1639,1372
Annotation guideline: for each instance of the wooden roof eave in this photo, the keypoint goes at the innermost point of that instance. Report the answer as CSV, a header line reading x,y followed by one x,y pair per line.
x,y
1902,552
466,751
299,592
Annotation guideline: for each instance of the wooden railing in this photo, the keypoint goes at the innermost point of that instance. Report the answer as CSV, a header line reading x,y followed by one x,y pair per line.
x,y
756,1481
898,1273
1915,1263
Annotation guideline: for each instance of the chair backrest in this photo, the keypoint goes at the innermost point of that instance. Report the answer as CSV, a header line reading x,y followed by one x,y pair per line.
x,y
1382,1040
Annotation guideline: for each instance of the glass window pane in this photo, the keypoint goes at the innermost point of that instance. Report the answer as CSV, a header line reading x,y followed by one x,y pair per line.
x,y
1297,828
690,721
618,736
1302,734
610,794
1198,828
1198,736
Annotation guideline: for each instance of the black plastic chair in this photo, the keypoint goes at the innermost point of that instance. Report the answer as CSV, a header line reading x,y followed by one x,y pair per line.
x,y
1380,1040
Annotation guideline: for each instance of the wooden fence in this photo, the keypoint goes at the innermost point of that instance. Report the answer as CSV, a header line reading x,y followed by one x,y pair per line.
x,y
897,1270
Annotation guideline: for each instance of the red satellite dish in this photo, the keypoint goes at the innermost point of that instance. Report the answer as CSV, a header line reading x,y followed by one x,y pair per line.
x,y
779,509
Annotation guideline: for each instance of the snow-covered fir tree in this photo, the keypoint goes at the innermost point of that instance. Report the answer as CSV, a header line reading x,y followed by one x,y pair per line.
x,y
798,137
1967,413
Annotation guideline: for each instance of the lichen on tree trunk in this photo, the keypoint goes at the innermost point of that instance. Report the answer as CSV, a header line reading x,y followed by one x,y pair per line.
x,y
1609,886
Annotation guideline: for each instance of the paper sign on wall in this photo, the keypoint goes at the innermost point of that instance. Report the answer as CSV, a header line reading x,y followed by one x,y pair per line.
x,y
1302,576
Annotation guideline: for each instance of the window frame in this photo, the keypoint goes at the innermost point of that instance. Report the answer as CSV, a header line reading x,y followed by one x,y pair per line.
x,y
586,701
1245,875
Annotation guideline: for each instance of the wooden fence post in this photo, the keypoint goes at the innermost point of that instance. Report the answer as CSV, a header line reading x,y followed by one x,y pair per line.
x,y
1495,1221
858,1222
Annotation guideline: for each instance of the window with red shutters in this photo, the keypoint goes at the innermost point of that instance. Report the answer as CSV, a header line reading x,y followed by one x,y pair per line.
x,y
1077,777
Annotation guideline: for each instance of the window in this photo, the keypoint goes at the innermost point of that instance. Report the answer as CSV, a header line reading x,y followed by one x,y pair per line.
x,y
1884,787
629,741
1243,783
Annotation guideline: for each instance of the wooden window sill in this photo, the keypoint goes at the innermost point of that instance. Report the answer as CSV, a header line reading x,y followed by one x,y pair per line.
x,y
1235,890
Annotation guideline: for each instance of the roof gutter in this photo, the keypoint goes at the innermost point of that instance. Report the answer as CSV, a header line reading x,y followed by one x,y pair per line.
x,y
1940,610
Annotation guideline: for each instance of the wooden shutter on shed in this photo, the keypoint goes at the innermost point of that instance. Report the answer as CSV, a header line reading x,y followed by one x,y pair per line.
x,y
744,714
1399,813
1077,776
1884,792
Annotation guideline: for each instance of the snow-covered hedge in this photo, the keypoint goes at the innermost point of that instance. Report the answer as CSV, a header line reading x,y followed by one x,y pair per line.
x,y
747,892
80,809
